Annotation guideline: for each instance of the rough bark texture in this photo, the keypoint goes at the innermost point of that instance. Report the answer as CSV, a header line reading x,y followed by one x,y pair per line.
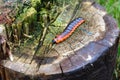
x,y
94,61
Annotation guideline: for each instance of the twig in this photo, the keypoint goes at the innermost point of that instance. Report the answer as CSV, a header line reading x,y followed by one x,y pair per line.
x,y
41,39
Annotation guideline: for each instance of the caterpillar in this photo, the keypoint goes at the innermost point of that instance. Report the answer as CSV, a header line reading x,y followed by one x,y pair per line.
x,y
71,27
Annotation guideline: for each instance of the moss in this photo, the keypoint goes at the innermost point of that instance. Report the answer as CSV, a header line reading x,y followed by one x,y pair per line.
x,y
36,4
28,15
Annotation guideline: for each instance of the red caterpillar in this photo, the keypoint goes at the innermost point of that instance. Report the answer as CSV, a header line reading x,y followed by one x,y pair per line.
x,y
68,30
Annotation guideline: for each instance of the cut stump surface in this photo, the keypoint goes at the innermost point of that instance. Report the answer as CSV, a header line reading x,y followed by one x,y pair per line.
x,y
83,56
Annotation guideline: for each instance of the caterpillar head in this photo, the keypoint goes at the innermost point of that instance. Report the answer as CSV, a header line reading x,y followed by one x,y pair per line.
x,y
57,39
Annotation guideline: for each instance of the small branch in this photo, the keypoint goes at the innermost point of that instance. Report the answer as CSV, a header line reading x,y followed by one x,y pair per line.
x,y
41,39
27,36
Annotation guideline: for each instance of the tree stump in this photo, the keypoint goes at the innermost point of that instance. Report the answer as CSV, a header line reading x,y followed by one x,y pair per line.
x,y
83,56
